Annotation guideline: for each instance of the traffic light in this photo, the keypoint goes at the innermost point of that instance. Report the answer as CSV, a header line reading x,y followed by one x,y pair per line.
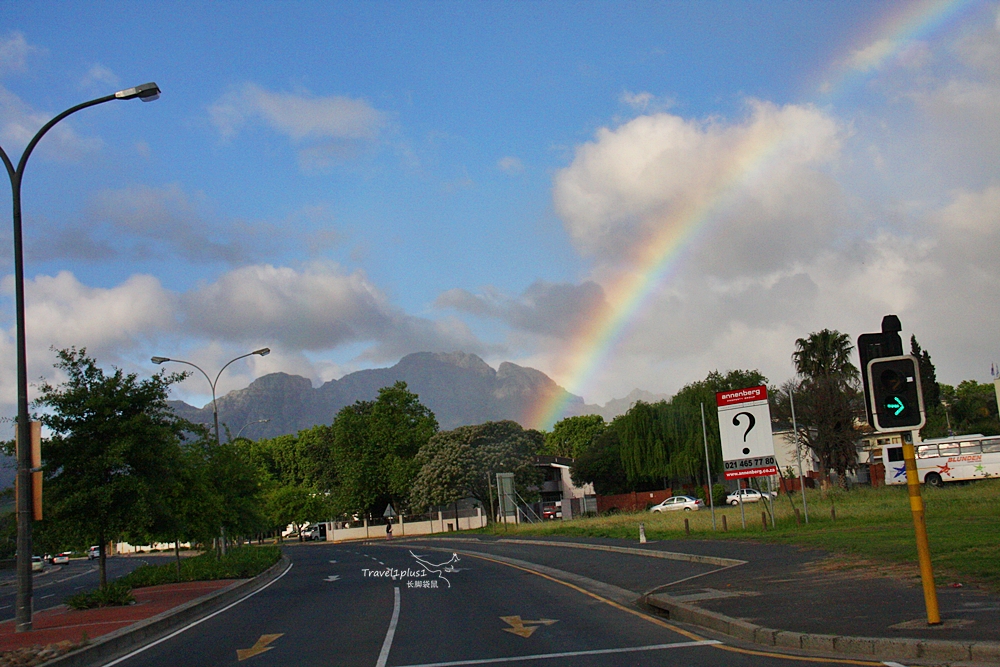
x,y
875,346
896,400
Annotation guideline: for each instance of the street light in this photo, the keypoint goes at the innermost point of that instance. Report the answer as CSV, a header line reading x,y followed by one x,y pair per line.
x,y
263,352
147,92
240,432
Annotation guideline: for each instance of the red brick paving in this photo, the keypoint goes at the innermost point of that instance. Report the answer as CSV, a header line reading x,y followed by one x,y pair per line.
x,y
62,623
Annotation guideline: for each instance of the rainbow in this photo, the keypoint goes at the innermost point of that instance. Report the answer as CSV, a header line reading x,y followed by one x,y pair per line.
x,y
659,257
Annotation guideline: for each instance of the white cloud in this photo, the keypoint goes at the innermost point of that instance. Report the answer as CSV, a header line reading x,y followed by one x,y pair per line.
x,y
300,116
99,75
14,53
658,171
510,165
547,309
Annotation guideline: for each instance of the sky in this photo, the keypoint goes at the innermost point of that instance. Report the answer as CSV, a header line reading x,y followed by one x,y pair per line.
x,y
620,194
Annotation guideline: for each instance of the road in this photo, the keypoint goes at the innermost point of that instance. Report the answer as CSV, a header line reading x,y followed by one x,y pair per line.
x,y
57,582
394,605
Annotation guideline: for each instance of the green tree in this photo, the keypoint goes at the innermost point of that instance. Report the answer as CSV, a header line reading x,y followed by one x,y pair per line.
x,y
572,435
463,463
600,464
663,442
375,444
828,401
113,449
972,407
937,420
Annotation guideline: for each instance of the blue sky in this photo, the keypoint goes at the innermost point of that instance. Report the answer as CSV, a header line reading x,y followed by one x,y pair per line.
x,y
350,182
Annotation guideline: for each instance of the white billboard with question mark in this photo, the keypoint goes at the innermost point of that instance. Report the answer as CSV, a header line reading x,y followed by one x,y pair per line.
x,y
745,432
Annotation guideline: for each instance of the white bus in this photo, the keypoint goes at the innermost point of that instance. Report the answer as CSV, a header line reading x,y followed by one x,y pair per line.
x,y
953,459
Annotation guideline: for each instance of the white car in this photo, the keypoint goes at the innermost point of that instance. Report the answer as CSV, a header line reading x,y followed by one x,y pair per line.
x,y
749,496
686,503
37,564
60,559
93,552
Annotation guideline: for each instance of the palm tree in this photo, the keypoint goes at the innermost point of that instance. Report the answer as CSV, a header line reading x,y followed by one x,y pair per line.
x,y
828,398
826,354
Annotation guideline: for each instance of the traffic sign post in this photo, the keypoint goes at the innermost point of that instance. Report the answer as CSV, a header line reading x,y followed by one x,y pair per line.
x,y
745,433
895,403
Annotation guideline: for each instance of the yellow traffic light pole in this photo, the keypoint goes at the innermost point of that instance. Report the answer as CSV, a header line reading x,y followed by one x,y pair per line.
x,y
920,528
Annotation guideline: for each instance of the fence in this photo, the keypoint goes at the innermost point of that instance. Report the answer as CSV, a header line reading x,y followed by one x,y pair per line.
x,y
440,522
632,502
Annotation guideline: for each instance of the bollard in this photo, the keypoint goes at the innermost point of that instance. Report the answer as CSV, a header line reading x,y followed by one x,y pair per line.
x,y
687,527
798,519
642,533
763,520
725,528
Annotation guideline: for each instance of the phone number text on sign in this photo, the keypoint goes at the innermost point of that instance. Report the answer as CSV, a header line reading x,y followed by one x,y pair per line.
x,y
756,467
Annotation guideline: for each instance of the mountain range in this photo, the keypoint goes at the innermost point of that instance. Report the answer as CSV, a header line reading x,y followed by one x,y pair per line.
x,y
461,389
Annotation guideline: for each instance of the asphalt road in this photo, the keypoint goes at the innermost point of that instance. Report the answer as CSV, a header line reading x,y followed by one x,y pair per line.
x,y
380,605
57,582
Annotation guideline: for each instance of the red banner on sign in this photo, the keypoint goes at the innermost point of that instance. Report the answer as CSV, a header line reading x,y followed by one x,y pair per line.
x,y
737,396
766,471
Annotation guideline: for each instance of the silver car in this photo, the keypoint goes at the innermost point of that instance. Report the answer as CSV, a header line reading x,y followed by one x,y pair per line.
x,y
686,503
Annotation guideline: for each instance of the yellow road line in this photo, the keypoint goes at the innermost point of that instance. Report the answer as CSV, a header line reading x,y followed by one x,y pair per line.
x,y
674,628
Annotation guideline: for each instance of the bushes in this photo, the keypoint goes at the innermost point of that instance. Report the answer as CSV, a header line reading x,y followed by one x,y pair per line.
x,y
116,594
240,563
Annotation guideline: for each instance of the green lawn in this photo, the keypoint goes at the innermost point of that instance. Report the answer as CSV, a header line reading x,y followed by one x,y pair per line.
x,y
873,525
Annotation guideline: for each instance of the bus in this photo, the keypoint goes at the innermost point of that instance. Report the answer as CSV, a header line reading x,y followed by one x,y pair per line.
x,y
953,459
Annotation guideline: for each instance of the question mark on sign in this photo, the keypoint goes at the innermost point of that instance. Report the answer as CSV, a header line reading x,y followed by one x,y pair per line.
x,y
750,425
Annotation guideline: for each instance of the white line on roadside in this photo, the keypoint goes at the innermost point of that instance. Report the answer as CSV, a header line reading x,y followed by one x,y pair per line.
x,y
199,621
50,595
387,644
568,654
889,663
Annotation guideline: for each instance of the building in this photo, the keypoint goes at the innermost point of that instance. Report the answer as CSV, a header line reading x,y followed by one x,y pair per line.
x,y
560,497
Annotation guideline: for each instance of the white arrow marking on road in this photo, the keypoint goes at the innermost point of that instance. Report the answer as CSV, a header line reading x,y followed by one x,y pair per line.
x,y
332,577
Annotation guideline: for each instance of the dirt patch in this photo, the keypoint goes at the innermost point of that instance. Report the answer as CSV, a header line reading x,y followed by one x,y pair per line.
x,y
28,656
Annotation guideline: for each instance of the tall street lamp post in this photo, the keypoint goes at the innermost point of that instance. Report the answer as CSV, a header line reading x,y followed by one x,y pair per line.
x,y
263,352
245,426
147,92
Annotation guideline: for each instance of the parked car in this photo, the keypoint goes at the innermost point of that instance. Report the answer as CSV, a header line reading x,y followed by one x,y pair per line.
x,y
749,496
37,564
311,533
551,511
686,503
93,552
62,558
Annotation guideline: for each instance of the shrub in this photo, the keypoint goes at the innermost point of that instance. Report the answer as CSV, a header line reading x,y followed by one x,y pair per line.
x,y
116,594
239,563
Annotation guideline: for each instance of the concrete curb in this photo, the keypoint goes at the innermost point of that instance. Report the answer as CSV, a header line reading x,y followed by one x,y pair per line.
x,y
650,553
882,648
111,645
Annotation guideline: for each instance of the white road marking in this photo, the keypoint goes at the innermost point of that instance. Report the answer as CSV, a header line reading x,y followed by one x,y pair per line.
x,y
333,561
198,622
383,655
50,595
332,577
569,654
889,663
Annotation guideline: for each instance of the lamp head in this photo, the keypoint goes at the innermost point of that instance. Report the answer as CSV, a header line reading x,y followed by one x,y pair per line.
x,y
146,92
264,351
159,360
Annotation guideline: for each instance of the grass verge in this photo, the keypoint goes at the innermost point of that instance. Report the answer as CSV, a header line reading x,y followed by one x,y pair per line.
x,y
874,526
239,563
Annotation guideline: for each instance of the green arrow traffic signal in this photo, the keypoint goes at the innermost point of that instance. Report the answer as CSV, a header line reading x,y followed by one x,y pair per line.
x,y
894,384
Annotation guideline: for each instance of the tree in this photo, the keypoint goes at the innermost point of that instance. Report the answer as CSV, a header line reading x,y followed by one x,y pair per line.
x,y
828,400
600,464
937,418
572,435
113,449
463,463
972,407
664,441
375,443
